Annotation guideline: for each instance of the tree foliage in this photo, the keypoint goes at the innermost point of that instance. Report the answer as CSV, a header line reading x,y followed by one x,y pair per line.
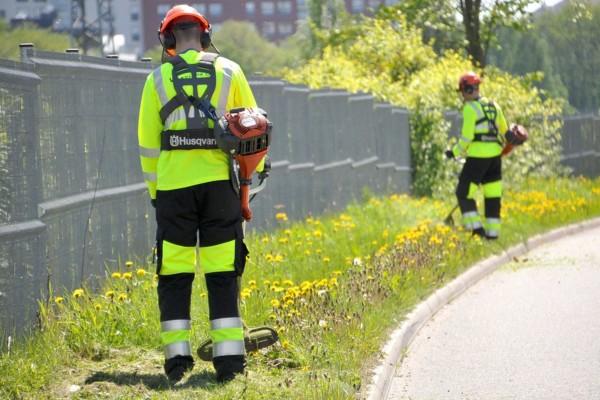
x,y
43,39
565,45
389,60
241,42
473,24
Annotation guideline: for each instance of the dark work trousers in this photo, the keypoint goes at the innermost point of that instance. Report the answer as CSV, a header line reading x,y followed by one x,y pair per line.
x,y
208,214
486,172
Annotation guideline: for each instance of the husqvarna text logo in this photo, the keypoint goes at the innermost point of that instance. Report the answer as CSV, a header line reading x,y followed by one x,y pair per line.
x,y
180,141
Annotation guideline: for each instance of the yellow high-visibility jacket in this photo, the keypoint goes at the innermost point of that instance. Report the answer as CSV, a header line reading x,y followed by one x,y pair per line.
x,y
175,169
477,137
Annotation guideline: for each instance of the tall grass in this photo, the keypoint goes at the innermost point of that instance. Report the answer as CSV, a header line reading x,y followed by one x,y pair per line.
x,y
332,286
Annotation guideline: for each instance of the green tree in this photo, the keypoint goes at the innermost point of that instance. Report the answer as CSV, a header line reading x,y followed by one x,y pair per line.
x,y
241,42
389,60
472,23
43,39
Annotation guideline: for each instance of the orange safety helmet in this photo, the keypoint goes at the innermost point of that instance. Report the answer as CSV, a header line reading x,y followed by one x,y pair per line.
x,y
180,14
469,79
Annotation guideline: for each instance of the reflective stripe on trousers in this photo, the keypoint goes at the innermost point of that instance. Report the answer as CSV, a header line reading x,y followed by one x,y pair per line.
x,y
471,220
175,337
227,335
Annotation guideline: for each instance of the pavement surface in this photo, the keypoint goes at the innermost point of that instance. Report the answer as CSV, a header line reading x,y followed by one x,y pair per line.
x,y
530,330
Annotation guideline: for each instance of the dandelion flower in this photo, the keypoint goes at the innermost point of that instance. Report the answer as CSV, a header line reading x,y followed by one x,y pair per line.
x,y
278,258
275,303
326,259
98,307
281,216
110,294
129,264
252,283
122,297
269,257
59,300
77,293
127,275
116,275
141,272
285,344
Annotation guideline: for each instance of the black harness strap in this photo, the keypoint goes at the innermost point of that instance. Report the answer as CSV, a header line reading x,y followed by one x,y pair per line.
x,y
198,110
489,114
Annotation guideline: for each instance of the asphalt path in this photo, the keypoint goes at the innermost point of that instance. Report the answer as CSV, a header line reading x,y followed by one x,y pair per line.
x,y
530,330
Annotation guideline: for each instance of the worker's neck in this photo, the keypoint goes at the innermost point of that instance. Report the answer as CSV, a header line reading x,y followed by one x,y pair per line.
x,y
186,45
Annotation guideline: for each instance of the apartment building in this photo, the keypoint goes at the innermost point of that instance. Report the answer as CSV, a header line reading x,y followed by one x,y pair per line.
x,y
274,19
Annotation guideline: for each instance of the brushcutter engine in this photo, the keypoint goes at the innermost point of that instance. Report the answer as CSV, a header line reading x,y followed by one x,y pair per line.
x,y
244,134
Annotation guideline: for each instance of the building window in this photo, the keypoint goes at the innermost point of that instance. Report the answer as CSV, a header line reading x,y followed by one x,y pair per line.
x,y
135,16
267,8
201,8
162,9
250,8
358,5
284,7
285,28
268,28
135,36
215,9
301,7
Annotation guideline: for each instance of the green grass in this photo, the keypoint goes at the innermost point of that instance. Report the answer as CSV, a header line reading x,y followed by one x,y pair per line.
x,y
334,287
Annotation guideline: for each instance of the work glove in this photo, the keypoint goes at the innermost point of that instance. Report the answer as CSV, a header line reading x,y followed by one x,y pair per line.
x,y
266,170
449,154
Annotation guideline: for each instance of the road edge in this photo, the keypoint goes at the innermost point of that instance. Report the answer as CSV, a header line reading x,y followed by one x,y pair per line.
x,y
403,335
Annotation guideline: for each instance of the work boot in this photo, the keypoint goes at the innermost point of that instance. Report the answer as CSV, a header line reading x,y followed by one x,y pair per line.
x,y
479,232
177,366
228,366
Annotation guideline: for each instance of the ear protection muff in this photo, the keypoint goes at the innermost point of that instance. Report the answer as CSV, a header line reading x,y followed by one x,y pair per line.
x,y
168,42
205,37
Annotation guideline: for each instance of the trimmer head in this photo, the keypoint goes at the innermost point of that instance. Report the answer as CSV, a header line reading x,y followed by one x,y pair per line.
x,y
254,339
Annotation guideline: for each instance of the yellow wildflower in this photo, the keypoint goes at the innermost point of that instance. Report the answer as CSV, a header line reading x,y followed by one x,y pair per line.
x,y
140,272
116,275
77,293
269,257
129,264
278,258
252,283
275,303
281,216
59,300
287,282
287,232
326,259
317,233
127,275
283,240
122,297
110,294
265,239
98,307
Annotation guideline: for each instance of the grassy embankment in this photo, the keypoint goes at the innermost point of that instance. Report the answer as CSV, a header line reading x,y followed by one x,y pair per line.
x,y
332,286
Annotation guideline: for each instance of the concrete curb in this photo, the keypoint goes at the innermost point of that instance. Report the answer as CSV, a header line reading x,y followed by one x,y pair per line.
x,y
401,338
